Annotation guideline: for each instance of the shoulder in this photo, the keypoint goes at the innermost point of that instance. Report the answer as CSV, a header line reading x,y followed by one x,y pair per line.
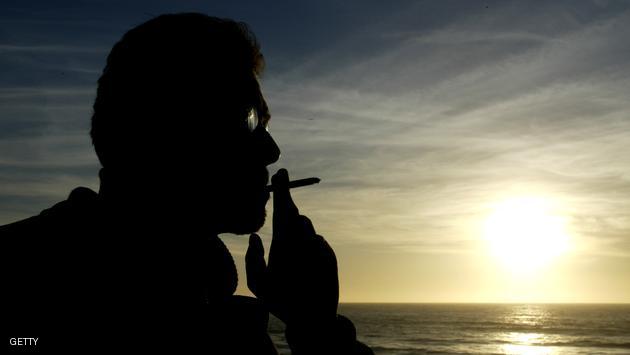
x,y
79,203
41,255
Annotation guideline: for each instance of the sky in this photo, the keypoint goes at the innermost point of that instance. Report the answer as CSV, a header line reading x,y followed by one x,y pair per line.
x,y
422,118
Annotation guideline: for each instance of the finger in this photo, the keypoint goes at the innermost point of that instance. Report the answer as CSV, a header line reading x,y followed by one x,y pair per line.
x,y
282,200
255,265
325,251
303,227
284,209
331,268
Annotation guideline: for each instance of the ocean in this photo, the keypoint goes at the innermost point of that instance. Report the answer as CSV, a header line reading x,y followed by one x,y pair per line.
x,y
524,329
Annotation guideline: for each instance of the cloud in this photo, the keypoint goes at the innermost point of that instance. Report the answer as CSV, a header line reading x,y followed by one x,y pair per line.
x,y
46,149
61,49
414,143
416,121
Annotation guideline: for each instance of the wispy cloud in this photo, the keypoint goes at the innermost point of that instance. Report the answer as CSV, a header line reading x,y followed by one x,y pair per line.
x,y
8,48
418,118
416,128
437,127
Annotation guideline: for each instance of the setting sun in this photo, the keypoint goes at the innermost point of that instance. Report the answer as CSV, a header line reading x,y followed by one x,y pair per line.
x,y
525,233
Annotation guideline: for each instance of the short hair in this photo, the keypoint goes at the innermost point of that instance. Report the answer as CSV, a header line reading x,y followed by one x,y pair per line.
x,y
177,66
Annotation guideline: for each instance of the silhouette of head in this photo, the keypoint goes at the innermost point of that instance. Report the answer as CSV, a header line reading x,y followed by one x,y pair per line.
x,y
172,119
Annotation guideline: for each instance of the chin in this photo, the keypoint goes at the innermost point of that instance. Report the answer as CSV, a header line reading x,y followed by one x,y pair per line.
x,y
243,213
246,223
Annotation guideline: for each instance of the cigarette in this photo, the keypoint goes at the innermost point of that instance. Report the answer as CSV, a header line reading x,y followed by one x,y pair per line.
x,y
297,183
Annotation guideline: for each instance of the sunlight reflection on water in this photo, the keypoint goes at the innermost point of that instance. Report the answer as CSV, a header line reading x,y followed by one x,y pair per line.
x,y
527,343
527,350
517,329
524,344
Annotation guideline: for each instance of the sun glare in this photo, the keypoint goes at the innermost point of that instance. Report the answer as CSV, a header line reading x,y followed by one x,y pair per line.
x,y
525,233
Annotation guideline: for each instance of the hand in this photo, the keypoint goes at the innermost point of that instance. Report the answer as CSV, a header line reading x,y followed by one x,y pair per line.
x,y
300,285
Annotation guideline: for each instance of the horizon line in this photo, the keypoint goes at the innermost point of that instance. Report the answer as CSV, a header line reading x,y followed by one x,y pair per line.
x,y
506,303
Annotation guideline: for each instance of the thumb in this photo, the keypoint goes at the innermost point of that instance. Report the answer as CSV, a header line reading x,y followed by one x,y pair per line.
x,y
255,266
284,209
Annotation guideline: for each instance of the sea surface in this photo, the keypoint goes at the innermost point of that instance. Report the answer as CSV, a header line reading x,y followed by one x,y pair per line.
x,y
526,329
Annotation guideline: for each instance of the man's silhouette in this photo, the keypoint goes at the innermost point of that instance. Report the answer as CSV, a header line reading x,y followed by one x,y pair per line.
x,y
180,128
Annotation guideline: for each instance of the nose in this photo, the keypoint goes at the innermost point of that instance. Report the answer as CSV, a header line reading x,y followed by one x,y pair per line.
x,y
266,148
